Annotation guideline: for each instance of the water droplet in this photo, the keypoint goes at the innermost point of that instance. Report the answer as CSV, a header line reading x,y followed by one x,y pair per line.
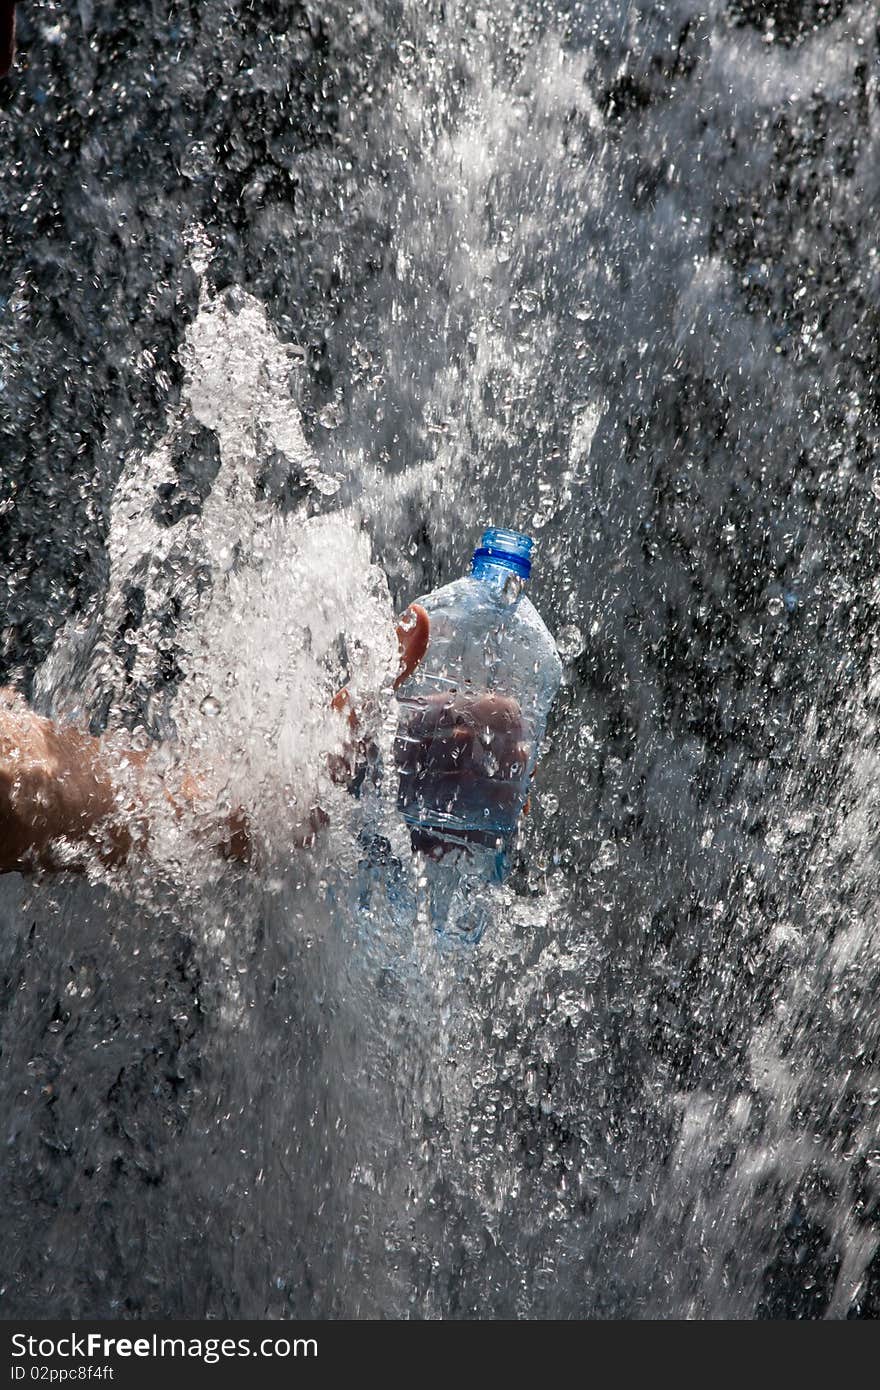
x,y
197,161
775,606
331,416
570,642
513,587
210,707
324,483
607,858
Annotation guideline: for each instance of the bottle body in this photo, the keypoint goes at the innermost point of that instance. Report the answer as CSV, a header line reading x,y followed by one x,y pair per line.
x,y
473,713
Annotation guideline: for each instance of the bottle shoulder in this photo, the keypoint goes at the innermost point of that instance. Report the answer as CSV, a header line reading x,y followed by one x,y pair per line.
x,y
475,595
469,605
448,596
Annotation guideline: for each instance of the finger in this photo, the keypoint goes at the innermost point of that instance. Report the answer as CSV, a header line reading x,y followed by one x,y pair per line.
x,y
412,636
341,765
341,703
413,629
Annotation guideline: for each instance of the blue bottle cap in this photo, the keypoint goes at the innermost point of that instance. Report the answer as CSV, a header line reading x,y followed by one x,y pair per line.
x,y
510,549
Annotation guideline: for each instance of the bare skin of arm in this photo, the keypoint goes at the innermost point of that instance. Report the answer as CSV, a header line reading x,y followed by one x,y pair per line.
x,y
57,784
66,796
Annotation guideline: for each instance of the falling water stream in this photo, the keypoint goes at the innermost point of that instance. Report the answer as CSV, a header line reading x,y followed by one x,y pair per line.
x,y
295,298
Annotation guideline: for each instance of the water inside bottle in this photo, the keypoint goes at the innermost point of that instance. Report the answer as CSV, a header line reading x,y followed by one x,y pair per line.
x,y
463,761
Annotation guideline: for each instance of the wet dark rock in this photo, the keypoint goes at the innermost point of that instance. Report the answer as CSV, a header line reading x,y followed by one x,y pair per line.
x,y
196,460
787,20
800,1281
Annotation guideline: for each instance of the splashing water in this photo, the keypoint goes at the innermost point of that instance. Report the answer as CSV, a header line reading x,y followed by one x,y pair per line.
x,y
604,273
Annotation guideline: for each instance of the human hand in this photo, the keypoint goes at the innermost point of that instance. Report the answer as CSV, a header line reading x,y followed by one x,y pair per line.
x,y
413,630
464,752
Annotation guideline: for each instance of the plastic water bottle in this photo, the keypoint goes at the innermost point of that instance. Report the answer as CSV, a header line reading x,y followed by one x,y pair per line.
x,y
474,711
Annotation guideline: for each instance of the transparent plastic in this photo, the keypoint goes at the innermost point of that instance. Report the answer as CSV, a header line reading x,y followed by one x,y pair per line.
x,y
473,713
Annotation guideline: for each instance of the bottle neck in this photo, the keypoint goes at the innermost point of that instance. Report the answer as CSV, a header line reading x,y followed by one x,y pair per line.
x,y
498,573
508,550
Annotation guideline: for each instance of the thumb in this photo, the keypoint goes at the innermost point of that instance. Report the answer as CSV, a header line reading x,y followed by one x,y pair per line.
x,y
413,628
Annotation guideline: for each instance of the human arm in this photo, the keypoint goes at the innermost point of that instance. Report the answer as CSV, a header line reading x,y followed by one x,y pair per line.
x,y
66,797
461,754
59,793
